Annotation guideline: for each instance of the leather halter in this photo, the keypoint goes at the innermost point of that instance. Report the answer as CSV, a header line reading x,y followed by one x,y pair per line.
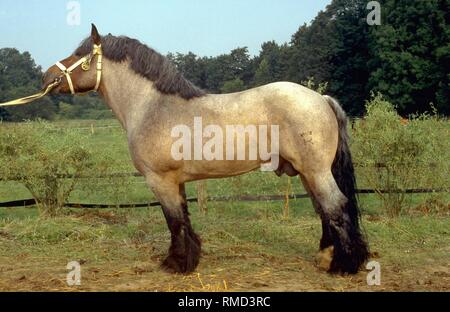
x,y
85,63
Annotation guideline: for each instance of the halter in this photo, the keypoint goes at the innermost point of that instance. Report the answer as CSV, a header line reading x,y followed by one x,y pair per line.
x,y
85,63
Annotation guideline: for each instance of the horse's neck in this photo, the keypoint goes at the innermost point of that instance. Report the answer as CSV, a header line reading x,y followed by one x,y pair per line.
x,y
129,95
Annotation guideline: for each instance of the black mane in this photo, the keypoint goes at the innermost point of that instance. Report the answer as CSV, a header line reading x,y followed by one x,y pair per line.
x,y
146,62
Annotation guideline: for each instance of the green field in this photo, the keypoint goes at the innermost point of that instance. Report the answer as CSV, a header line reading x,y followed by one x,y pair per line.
x,y
246,245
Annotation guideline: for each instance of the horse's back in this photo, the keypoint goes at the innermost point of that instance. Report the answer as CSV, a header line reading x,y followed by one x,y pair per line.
x,y
290,105
287,101
296,94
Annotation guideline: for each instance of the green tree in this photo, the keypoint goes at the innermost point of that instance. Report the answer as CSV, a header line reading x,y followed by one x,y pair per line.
x,y
227,67
334,49
234,85
263,75
241,65
411,55
349,56
276,58
191,66
311,50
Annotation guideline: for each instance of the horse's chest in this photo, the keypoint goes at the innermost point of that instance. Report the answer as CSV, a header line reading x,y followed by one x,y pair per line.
x,y
151,150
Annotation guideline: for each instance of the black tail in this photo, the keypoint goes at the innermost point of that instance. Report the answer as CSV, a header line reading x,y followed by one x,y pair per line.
x,y
347,258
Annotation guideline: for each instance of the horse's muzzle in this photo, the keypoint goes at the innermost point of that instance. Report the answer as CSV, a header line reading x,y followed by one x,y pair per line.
x,y
51,78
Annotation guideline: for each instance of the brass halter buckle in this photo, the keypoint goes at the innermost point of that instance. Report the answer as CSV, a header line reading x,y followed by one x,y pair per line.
x,y
86,64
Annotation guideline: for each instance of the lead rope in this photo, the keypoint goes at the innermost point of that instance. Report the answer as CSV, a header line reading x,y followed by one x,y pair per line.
x,y
34,97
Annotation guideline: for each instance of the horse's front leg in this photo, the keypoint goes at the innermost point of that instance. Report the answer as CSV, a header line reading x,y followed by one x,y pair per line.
x,y
184,251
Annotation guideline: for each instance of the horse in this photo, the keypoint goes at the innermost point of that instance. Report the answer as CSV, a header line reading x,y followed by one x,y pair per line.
x,y
150,97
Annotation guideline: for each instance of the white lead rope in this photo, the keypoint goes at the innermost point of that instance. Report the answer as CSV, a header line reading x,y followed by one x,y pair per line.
x,y
34,97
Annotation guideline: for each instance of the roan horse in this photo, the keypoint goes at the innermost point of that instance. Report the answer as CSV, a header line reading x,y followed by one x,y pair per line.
x,y
150,97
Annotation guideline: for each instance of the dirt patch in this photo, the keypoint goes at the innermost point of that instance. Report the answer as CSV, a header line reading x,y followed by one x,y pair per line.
x,y
5,235
435,207
261,255
252,273
97,216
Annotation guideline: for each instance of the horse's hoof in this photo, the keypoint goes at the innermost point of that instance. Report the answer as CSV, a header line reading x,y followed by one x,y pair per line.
x,y
349,260
187,261
324,258
172,265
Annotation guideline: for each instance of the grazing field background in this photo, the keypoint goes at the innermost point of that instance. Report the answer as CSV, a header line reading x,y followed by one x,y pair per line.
x,y
250,246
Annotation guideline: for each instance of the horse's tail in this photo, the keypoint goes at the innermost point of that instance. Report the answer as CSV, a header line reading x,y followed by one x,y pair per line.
x,y
344,174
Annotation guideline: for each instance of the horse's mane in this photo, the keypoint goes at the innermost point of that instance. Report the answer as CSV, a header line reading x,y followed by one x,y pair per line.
x,y
146,62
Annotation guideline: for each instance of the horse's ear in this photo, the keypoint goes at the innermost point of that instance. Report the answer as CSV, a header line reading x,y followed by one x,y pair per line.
x,y
95,36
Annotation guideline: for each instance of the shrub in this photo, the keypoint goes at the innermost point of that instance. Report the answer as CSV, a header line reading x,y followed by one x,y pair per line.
x,y
398,154
37,155
321,87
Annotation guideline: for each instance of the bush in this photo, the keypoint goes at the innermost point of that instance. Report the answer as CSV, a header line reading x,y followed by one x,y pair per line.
x,y
318,87
398,154
37,155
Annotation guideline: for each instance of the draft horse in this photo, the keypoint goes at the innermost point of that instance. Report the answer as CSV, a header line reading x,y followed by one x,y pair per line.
x,y
149,97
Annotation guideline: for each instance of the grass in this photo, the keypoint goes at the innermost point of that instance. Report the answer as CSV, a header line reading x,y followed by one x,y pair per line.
x,y
246,245
255,251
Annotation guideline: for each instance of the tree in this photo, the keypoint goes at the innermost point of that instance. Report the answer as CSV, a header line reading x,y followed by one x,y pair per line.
x,y
234,85
242,65
191,66
311,50
273,59
228,67
349,57
262,75
411,55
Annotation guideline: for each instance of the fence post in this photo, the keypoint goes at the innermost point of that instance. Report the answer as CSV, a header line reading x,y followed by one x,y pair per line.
x,y
286,199
202,196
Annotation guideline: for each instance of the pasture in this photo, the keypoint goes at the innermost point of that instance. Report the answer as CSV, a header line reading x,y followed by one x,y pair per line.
x,y
247,246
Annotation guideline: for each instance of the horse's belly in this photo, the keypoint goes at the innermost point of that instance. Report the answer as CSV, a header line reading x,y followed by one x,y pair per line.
x,y
204,169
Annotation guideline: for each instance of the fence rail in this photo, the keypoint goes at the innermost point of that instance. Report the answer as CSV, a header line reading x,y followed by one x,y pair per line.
x,y
244,198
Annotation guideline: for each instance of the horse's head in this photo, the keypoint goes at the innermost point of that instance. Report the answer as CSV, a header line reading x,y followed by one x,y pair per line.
x,y
77,74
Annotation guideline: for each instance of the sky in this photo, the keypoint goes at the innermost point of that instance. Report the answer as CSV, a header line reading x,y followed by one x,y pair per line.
x,y
205,27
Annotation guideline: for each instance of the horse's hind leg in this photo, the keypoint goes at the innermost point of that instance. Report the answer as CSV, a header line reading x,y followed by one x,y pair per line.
x,y
325,255
347,246
185,248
